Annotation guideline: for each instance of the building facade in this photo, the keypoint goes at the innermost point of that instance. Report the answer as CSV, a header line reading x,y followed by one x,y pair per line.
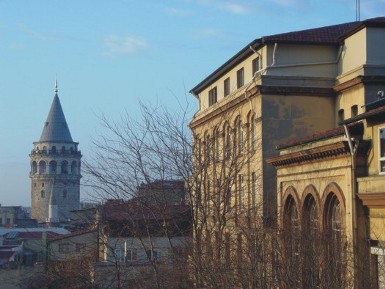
x,y
330,183
296,86
55,169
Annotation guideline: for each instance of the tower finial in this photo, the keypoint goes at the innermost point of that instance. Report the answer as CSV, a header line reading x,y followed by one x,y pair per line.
x,y
56,90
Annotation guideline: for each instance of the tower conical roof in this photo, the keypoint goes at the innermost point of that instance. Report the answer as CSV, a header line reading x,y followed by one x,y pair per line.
x,y
56,128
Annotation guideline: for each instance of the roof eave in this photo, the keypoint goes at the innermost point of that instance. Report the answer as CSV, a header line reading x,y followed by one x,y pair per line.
x,y
228,65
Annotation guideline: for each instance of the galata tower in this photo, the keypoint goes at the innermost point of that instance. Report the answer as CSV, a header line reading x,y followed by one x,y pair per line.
x,y
55,169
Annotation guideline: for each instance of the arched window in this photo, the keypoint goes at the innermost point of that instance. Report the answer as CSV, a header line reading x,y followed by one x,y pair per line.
x,y
42,167
334,241
334,218
52,167
310,243
216,136
53,149
64,167
239,135
310,219
227,141
253,134
42,194
73,168
207,147
291,226
64,194
34,167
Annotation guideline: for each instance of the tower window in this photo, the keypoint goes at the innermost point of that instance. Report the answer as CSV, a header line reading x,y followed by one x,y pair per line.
x,y
42,167
64,194
354,110
42,194
42,185
64,167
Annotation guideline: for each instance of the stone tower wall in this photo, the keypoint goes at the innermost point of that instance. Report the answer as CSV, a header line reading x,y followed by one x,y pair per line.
x,y
55,179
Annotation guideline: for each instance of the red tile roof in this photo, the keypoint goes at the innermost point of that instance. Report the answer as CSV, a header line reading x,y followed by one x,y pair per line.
x,y
34,235
74,234
324,35
354,129
6,254
121,211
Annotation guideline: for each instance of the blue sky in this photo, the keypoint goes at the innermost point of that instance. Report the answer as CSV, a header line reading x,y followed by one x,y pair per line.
x,y
109,55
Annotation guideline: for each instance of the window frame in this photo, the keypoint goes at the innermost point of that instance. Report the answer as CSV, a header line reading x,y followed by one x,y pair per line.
x,y
381,159
64,248
255,66
213,96
241,191
240,77
226,87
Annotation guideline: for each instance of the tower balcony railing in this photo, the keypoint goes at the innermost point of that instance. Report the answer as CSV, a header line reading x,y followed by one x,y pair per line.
x,y
56,152
55,175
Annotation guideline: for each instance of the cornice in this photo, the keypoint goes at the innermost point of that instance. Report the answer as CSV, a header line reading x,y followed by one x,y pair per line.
x,y
373,201
223,106
326,151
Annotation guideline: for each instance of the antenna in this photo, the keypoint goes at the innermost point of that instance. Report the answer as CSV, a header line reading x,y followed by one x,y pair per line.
x,y
358,10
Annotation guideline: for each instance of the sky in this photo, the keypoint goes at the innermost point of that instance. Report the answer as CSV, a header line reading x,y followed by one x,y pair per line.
x,y
108,56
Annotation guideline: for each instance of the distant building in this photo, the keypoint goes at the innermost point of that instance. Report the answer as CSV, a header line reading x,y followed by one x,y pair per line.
x,y
55,169
162,192
138,237
9,215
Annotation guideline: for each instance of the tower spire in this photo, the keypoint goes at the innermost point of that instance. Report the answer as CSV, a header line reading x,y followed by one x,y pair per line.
x,y
56,90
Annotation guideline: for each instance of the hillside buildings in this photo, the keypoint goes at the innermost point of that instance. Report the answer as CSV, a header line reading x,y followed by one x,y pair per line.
x,y
307,93
55,169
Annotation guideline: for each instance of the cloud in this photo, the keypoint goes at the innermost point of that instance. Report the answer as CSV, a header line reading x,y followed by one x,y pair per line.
x,y
176,11
209,32
290,3
234,8
120,45
39,36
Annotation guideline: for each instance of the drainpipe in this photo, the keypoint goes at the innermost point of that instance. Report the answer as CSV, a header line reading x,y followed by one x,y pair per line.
x,y
353,152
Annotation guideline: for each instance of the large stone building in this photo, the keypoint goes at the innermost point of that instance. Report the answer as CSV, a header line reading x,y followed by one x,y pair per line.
x,y
287,87
55,169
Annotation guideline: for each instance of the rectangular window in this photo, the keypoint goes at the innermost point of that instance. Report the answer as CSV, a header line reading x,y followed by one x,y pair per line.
x,y
240,78
131,255
255,66
64,248
80,247
226,86
152,255
119,255
212,96
382,149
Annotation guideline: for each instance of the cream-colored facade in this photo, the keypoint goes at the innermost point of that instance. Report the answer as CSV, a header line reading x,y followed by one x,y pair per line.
x,y
298,86
333,179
